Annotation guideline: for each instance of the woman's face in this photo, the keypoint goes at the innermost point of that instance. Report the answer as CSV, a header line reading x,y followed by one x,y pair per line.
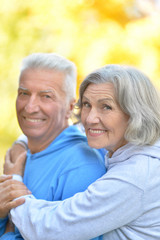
x,y
103,120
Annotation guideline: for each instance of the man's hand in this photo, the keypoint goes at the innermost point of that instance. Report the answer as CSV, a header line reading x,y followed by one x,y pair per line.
x,y
9,190
15,160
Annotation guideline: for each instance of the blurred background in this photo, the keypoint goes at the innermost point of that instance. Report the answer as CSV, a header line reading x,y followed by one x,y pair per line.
x,y
91,33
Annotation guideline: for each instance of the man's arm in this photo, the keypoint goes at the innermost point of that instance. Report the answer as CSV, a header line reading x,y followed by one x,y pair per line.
x,y
9,187
9,190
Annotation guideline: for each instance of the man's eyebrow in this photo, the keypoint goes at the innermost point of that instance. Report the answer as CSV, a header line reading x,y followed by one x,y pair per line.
x,y
42,91
47,91
22,88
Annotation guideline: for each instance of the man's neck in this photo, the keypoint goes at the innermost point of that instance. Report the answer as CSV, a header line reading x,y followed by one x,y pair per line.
x,y
37,145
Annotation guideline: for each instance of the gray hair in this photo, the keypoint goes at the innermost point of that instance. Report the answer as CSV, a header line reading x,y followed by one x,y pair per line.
x,y
55,62
136,96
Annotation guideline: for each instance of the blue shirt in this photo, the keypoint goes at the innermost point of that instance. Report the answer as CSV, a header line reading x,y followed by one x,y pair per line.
x,y
67,166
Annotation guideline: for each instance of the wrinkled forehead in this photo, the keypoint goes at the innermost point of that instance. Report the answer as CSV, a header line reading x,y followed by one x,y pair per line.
x,y
99,89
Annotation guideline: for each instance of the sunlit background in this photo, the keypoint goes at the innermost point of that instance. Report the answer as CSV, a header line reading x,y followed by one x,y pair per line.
x,y
91,33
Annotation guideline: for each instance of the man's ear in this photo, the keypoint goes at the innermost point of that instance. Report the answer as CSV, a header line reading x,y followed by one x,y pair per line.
x,y
70,108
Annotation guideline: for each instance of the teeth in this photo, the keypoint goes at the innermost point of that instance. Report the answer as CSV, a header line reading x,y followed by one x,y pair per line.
x,y
96,131
33,120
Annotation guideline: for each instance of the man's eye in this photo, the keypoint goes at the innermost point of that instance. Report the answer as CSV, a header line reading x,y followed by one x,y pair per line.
x,y
23,93
47,96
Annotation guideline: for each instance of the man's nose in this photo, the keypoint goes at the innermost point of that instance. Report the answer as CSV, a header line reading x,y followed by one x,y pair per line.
x,y
32,105
93,116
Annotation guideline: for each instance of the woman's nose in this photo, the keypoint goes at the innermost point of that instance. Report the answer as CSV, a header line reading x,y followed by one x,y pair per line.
x,y
92,116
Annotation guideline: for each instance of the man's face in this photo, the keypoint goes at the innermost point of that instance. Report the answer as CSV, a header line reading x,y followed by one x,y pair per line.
x,y
42,107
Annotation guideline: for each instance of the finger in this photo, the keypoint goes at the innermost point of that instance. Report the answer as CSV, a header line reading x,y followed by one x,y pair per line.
x,y
7,161
7,165
8,156
10,186
4,177
15,194
22,158
16,203
16,151
19,193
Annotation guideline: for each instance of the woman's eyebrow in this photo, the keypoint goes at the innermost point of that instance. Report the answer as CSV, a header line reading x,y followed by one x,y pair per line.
x,y
106,99
85,98
100,100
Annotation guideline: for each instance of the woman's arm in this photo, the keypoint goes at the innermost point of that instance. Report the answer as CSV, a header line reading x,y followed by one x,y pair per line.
x,y
84,216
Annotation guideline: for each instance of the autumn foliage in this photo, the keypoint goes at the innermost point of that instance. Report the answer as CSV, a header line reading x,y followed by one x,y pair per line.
x,y
91,33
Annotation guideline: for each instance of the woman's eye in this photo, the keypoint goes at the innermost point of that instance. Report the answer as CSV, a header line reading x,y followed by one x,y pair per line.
x,y
107,107
85,104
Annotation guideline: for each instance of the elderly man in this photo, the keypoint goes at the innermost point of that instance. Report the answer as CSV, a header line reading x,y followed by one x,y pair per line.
x,y
59,161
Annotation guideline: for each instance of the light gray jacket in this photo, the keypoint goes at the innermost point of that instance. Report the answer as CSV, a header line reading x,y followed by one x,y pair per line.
x,y
124,204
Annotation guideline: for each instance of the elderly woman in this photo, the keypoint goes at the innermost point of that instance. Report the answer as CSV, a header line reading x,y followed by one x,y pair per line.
x,y
120,111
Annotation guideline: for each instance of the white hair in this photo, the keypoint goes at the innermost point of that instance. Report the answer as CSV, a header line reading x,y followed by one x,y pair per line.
x,y
136,96
55,62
